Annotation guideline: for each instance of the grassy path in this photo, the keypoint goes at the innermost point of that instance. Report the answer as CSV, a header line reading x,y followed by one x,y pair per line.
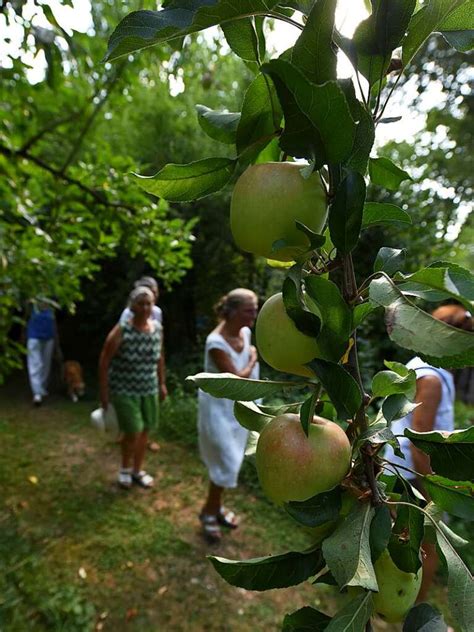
x,y
77,554
80,554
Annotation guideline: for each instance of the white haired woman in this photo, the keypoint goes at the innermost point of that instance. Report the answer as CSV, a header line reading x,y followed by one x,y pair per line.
x,y
222,440
128,376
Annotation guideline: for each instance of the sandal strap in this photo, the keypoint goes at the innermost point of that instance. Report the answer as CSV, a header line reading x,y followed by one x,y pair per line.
x,y
210,525
143,478
227,518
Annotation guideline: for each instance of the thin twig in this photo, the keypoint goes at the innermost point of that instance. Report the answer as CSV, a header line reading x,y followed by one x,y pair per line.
x,y
388,97
108,87
49,128
97,195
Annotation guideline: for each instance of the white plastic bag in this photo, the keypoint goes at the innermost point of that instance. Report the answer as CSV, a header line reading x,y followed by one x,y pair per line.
x,y
105,421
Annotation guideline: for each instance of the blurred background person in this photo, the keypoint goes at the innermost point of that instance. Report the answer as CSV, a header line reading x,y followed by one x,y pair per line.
x,y
435,394
41,337
129,378
222,440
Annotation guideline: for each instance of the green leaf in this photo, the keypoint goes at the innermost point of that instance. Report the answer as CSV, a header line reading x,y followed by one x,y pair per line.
x,y
243,39
363,142
306,321
411,328
315,240
390,21
299,138
220,126
380,532
250,416
345,212
347,550
324,106
261,115
460,19
372,66
424,618
460,585
385,173
386,383
389,260
451,453
406,538
452,280
397,406
142,29
230,386
343,390
274,571
305,619
183,183
360,313
307,411
317,510
455,497
324,299
462,41
428,19
313,52
354,616
376,213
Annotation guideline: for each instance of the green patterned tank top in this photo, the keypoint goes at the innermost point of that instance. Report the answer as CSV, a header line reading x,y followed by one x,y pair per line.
x,y
133,370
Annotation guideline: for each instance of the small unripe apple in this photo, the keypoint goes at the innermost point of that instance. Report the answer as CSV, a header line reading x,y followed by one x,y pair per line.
x,y
280,343
267,200
397,590
293,466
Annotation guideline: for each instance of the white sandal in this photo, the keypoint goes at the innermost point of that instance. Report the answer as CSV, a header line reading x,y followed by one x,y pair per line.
x,y
143,479
210,528
125,477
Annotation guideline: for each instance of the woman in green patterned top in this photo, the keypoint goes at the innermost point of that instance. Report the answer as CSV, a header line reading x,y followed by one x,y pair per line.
x,y
129,370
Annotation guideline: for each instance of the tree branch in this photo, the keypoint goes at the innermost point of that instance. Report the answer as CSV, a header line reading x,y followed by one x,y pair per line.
x,y
108,87
99,196
49,128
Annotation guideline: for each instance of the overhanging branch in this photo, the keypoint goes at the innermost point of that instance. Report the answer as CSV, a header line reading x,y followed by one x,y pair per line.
x,y
99,196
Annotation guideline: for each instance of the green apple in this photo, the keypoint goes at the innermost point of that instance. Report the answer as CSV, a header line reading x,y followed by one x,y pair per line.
x,y
280,343
397,590
293,466
267,200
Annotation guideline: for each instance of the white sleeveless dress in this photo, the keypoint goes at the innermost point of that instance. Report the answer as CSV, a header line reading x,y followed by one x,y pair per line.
x,y
444,419
222,440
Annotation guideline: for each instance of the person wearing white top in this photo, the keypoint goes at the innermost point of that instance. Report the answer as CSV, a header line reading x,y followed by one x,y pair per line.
x,y
222,440
435,393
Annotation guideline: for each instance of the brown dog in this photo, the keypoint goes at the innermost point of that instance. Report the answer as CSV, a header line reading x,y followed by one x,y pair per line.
x,y
72,373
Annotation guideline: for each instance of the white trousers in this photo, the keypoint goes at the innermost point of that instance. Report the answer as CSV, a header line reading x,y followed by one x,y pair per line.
x,y
40,354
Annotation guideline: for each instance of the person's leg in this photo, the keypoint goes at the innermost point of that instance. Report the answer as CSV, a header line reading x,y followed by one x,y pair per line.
x,y
148,411
214,499
47,349
129,443
208,516
139,453
34,363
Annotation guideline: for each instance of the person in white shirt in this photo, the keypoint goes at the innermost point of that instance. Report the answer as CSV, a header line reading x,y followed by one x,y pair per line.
x,y
435,392
222,440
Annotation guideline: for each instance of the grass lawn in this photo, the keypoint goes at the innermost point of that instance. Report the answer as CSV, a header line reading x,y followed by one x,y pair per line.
x,y
77,553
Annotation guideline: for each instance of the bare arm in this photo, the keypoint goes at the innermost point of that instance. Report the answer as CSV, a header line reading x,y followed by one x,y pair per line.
x,y
225,365
428,394
162,374
110,348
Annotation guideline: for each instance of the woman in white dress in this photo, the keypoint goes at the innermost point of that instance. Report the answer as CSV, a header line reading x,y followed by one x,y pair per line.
x,y
222,439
